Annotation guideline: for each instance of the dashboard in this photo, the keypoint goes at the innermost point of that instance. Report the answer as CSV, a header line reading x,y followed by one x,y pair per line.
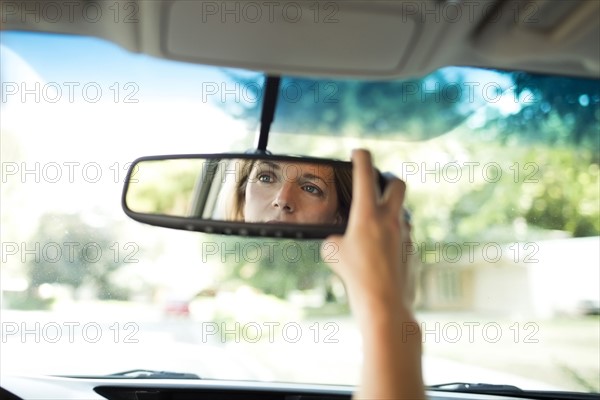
x,y
53,387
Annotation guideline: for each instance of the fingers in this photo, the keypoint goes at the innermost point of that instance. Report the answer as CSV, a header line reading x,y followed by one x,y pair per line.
x,y
393,197
364,189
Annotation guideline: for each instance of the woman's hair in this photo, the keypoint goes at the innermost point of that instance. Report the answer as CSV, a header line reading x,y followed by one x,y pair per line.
x,y
243,169
343,187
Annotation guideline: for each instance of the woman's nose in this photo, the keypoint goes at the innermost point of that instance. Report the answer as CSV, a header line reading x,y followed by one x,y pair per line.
x,y
284,198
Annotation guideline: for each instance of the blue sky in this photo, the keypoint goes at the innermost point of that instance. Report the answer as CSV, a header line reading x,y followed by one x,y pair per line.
x,y
65,58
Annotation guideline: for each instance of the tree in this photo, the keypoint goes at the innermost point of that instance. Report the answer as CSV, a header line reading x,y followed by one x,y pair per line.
x,y
275,267
72,252
555,111
418,109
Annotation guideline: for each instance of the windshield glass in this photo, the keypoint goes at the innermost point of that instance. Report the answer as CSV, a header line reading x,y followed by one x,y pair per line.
x,y
503,187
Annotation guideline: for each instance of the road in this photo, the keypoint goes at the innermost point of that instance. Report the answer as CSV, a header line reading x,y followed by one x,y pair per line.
x,y
85,341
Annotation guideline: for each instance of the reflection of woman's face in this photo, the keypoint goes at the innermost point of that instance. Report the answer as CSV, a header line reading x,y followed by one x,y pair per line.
x,y
283,192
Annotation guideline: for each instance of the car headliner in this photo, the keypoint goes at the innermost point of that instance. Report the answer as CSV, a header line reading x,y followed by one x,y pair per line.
x,y
370,39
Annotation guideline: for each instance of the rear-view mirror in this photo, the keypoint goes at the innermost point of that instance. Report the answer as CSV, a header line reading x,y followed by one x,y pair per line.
x,y
242,194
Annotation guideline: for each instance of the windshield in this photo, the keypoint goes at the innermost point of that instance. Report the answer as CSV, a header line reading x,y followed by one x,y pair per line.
x,y
503,188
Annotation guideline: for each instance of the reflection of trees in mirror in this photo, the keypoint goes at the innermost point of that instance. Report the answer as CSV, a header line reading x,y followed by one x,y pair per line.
x,y
168,191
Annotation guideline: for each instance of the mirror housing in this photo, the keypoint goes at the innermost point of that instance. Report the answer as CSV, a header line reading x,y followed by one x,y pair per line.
x,y
222,193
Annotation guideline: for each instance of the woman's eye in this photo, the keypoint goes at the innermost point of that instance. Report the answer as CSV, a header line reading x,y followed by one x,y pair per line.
x,y
266,178
312,189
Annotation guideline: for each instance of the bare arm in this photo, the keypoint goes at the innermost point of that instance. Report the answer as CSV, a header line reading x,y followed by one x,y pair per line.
x,y
375,271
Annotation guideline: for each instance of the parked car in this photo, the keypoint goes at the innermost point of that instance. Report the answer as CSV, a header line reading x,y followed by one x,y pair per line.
x,y
489,110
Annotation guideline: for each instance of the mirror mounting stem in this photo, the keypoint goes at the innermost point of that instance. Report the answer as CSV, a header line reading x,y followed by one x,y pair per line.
x,y
268,112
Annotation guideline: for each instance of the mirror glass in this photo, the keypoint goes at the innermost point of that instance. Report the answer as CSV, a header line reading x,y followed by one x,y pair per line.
x,y
240,188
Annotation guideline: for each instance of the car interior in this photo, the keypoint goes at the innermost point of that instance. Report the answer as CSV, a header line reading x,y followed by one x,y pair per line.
x,y
136,135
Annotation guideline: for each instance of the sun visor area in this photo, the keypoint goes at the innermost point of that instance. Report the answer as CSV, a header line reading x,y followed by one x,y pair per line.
x,y
318,37
550,35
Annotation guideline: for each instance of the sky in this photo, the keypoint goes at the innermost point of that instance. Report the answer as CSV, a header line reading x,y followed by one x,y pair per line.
x,y
93,59
96,85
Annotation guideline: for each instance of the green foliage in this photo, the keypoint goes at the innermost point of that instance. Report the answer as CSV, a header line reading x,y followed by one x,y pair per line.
x,y
24,301
294,265
547,149
277,267
72,252
414,109
164,187
172,197
541,188
556,111
567,196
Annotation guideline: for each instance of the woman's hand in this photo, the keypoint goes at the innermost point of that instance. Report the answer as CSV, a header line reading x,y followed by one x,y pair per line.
x,y
373,264
371,257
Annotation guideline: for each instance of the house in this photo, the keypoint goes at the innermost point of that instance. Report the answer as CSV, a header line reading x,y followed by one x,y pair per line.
x,y
539,279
